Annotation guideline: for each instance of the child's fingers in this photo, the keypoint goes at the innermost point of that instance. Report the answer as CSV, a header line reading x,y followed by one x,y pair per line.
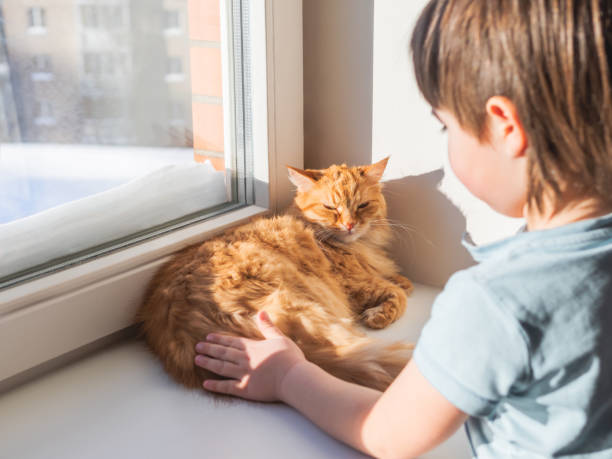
x,y
266,326
221,352
227,340
227,386
220,367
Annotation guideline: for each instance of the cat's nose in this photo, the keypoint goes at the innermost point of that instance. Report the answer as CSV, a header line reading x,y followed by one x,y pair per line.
x,y
349,226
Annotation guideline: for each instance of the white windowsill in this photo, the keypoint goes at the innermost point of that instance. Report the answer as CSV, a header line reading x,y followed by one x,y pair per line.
x,y
173,31
58,313
45,121
37,30
42,76
174,77
119,403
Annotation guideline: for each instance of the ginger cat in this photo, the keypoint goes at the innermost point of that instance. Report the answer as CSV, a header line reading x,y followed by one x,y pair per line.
x,y
319,270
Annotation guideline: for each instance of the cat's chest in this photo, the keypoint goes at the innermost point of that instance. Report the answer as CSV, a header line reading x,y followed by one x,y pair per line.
x,y
348,264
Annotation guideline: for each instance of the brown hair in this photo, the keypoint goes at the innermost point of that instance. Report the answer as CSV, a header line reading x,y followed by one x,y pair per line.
x,y
551,58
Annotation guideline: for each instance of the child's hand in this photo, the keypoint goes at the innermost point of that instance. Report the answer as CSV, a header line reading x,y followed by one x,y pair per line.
x,y
256,368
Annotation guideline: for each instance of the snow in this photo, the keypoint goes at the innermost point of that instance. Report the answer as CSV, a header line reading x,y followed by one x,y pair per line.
x,y
38,176
53,203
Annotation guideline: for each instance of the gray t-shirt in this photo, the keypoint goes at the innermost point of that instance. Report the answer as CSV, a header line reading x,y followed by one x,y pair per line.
x,y
522,342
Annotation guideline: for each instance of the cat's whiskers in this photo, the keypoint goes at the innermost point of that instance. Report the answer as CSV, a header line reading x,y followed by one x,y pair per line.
x,y
395,230
397,225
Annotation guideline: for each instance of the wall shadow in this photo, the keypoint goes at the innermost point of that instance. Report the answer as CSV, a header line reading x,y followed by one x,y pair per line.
x,y
428,229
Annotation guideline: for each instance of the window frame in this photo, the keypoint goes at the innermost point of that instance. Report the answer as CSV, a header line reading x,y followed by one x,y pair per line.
x,y
36,20
44,113
173,23
51,316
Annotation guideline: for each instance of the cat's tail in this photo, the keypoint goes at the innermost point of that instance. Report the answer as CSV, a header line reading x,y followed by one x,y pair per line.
x,y
365,361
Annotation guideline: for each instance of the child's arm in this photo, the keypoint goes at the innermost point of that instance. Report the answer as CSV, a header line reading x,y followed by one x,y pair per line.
x,y
408,419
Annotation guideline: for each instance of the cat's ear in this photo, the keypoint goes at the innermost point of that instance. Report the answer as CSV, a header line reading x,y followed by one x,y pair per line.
x,y
304,180
374,172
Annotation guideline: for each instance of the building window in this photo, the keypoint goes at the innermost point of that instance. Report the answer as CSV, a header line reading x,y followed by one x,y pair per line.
x,y
105,64
36,19
44,109
108,63
41,68
174,66
43,113
106,124
101,16
92,64
174,70
89,16
41,63
106,107
111,17
176,113
172,21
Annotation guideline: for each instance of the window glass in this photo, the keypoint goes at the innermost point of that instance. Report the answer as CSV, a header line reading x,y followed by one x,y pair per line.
x,y
112,129
175,65
171,19
36,17
41,63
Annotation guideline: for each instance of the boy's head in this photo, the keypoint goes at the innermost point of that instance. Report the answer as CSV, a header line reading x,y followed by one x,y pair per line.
x,y
550,58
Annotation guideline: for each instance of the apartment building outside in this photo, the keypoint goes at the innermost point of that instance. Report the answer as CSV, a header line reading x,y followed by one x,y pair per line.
x,y
104,72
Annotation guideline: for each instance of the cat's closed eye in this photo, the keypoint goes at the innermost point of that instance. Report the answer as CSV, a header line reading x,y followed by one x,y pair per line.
x,y
329,207
363,205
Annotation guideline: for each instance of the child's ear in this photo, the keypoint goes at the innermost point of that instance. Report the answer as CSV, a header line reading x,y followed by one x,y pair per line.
x,y
505,127
375,171
304,180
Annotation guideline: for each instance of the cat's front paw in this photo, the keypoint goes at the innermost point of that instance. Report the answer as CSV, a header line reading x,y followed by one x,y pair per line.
x,y
380,316
403,282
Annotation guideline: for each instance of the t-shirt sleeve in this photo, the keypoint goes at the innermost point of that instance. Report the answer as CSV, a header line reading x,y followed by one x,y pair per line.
x,y
471,350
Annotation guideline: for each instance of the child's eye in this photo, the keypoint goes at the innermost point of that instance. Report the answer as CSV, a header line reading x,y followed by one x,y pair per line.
x,y
363,206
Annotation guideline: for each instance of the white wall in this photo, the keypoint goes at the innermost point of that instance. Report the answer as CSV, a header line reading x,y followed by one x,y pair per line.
x,y
353,94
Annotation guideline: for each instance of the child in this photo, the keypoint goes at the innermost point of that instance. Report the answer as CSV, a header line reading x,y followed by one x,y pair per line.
x,y
518,347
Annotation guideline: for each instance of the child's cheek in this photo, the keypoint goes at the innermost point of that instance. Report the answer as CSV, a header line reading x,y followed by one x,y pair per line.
x,y
458,159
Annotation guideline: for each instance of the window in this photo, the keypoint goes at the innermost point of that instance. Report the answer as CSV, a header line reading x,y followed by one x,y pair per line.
x,y
171,20
111,17
108,63
175,65
88,294
89,16
176,113
36,18
105,107
107,17
41,69
44,113
112,152
174,70
41,63
104,64
92,64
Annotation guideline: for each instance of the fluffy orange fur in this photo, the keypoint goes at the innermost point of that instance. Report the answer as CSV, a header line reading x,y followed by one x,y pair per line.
x,y
319,270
